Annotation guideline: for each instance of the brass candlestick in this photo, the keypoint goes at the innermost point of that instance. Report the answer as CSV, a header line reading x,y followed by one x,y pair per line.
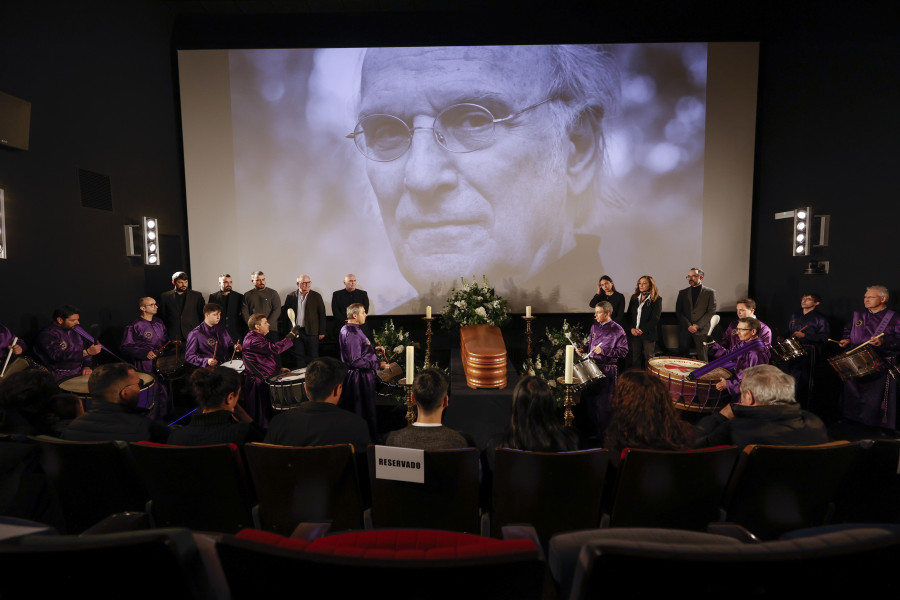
x,y
528,321
410,407
428,321
568,402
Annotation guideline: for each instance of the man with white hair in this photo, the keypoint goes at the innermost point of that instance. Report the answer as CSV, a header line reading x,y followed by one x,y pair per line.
x,y
766,414
872,400
483,160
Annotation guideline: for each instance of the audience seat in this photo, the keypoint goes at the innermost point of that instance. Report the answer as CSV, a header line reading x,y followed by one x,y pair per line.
x,y
203,488
447,500
775,489
679,490
871,492
553,492
296,484
400,564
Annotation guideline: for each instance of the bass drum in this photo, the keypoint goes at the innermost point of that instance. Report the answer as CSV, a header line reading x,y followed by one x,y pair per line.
x,y
78,385
172,366
690,395
21,363
286,389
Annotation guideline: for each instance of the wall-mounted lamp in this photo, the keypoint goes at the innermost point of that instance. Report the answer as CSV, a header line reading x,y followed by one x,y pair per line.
x,y
808,231
150,239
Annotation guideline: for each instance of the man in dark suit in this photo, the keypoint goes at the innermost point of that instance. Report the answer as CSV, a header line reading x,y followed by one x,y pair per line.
x,y
231,303
180,309
310,317
695,307
341,299
321,422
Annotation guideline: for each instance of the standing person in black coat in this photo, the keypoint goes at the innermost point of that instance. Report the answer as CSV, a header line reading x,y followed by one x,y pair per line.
x,y
180,309
231,303
606,291
644,311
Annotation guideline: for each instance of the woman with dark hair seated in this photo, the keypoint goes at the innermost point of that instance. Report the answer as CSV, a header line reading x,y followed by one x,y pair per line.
x,y
220,419
536,423
643,416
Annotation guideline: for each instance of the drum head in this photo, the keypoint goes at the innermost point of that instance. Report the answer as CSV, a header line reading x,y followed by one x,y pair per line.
x,y
674,367
289,378
234,365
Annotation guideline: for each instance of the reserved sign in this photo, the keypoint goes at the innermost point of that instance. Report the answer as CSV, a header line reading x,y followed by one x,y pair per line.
x,y
400,464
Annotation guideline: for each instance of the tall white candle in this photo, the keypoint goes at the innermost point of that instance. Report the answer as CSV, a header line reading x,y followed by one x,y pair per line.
x,y
527,311
570,362
427,312
410,364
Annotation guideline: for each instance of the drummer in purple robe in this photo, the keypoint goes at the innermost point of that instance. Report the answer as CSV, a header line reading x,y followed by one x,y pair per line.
x,y
6,343
259,363
359,356
62,349
208,344
606,345
746,307
141,342
872,400
750,351
811,329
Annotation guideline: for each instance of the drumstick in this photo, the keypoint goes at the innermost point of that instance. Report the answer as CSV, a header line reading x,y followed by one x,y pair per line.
x,y
6,362
831,340
869,341
215,351
292,316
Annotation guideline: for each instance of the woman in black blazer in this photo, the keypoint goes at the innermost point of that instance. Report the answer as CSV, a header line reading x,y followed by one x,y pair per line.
x,y
644,311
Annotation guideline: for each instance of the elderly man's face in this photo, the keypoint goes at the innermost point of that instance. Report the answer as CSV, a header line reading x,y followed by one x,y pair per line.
x,y
499,210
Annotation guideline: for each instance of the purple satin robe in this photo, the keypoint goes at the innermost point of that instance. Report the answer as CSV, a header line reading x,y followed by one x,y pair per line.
x,y
756,356
817,328
140,337
872,400
61,351
6,338
358,354
596,399
201,343
730,340
260,352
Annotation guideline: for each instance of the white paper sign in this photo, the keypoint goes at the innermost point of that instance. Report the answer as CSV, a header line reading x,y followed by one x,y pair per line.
x,y
400,464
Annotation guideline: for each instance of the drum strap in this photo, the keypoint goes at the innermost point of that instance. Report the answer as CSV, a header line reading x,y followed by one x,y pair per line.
x,y
888,315
253,369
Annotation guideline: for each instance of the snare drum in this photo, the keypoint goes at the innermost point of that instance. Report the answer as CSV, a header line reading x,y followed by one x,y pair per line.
x,y
788,350
172,366
587,372
287,389
856,363
691,395
78,385
234,365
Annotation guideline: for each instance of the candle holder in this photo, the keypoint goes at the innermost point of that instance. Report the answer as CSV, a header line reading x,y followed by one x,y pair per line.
x,y
428,321
410,407
528,321
568,402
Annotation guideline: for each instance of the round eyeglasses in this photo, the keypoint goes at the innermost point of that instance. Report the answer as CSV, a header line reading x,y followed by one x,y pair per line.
x,y
459,128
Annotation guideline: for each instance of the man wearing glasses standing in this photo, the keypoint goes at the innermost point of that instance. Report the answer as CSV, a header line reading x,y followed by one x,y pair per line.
x,y
484,159
309,309
695,308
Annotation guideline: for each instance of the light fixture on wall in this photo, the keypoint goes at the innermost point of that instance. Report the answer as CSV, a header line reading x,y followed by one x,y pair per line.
x,y
809,230
150,238
2,225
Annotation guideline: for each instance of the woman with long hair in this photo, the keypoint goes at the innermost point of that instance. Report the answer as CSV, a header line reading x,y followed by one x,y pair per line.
x,y
643,416
535,423
606,290
644,311
219,418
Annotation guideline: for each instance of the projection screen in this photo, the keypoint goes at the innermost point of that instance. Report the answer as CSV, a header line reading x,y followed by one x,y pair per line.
x,y
539,167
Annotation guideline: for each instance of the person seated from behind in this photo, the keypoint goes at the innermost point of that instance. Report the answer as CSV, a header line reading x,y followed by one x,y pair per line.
x,y
643,416
767,414
114,414
321,422
219,418
536,423
429,394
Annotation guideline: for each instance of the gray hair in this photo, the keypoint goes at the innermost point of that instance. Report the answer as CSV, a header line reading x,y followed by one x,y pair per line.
x,y
882,291
768,384
354,309
605,307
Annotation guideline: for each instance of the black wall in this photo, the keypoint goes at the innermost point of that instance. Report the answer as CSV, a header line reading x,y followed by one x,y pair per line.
x,y
102,82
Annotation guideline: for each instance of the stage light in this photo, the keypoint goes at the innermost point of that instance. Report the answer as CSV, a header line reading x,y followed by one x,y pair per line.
x,y
151,247
802,218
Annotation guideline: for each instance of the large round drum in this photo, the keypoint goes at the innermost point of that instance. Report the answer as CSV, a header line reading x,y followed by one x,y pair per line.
x,y
286,389
19,364
856,363
691,395
78,385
